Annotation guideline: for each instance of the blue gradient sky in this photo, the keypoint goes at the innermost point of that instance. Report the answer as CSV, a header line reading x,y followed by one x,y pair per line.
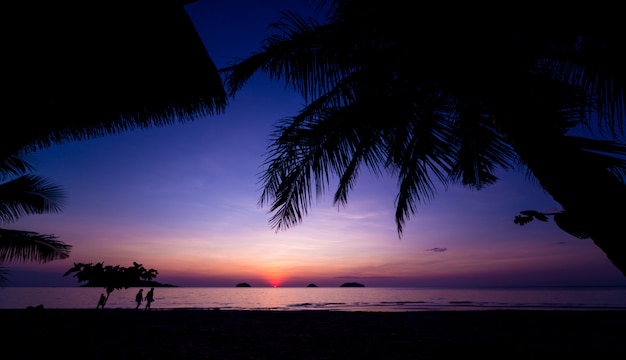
x,y
182,199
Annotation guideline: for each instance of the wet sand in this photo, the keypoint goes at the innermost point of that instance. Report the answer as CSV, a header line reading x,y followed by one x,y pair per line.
x,y
227,334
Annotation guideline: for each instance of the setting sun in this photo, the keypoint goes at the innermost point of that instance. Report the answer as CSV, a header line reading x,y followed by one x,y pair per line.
x,y
274,280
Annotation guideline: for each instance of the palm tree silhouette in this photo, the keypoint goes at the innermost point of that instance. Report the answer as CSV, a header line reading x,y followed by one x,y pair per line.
x,y
111,277
79,71
22,193
389,90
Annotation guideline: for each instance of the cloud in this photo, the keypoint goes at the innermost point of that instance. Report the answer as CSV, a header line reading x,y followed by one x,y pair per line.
x,y
437,249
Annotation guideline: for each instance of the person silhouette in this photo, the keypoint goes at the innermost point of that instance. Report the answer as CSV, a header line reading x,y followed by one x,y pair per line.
x,y
102,301
149,299
138,298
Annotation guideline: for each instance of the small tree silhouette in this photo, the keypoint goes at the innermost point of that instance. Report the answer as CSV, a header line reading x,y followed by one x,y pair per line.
x,y
111,277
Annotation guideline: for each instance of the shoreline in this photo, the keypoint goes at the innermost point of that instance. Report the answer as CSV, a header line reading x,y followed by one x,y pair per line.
x,y
310,334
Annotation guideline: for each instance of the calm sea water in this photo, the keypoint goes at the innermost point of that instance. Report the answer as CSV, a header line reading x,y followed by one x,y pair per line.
x,y
339,299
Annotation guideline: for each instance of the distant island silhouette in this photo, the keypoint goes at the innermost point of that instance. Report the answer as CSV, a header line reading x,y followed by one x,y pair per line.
x,y
352,284
243,285
311,285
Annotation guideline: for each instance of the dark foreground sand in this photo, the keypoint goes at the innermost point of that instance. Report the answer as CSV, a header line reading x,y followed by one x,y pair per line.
x,y
224,334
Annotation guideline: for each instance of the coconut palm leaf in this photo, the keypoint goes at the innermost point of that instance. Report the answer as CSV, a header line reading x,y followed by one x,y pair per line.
x,y
27,195
14,165
4,275
592,58
393,82
342,67
76,71
301,52
26,246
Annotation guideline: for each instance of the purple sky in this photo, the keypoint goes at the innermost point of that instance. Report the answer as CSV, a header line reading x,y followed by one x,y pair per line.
x,y
183,200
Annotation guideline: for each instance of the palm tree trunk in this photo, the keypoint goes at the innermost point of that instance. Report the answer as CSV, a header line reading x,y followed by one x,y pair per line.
x,y
592,197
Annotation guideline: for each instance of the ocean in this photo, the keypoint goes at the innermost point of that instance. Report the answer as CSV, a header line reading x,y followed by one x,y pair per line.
x,y
325,298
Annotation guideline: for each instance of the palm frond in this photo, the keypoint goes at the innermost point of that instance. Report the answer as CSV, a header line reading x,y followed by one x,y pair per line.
x,y
4,275
28,195
309,57
123,65
592,59
23,246
286,179
14,165
424,154
480,149
610,155
306,154
431,107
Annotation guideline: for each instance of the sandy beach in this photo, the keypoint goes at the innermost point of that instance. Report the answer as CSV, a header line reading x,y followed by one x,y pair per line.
x,y
225,334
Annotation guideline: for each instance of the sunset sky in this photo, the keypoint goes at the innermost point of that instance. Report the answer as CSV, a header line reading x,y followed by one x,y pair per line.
x,y
183,200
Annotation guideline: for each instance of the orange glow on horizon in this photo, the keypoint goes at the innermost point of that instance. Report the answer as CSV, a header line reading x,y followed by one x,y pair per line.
x,y
275,280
